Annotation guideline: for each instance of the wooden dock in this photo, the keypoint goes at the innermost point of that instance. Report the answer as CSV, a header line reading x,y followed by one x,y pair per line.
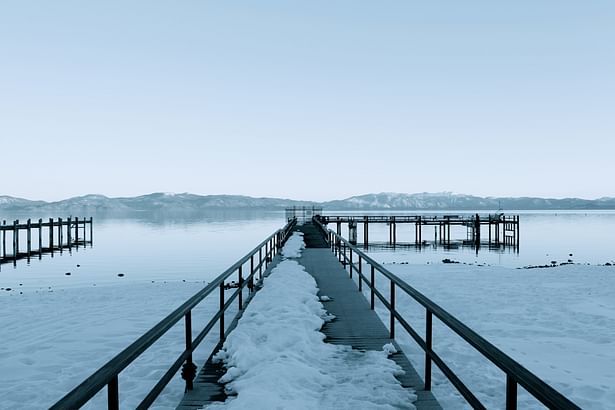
x,y
355,325
27,239
502,230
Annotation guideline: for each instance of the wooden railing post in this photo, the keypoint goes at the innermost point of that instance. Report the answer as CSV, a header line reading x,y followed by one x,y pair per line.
x,y
240,288
15,239
360,273
511,393
113,394
251,282
373,287
392,312
189,367
428,345
222,310
260,263
351,266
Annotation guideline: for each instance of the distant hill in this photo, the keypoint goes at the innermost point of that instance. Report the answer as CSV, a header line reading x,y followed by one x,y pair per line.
x,y
166,202
448,200
147,203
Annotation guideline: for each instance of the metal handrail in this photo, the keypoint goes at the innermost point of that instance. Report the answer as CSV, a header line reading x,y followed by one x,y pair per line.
x,y
107,375
516,374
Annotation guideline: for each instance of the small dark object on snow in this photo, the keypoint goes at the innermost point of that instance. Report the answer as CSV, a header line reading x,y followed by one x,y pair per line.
x,y
569,254
231,285
608,264
78,265
553,262
8,289
120,275
447,260
67,273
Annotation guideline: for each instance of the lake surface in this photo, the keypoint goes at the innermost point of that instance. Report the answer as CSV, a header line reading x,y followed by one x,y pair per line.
x,y
199,247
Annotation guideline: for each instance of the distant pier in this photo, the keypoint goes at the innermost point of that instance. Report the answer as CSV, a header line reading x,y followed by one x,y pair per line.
x,y
502,230
59,234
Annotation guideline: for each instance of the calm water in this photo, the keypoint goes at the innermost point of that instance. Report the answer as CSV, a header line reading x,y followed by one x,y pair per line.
x,y
199,247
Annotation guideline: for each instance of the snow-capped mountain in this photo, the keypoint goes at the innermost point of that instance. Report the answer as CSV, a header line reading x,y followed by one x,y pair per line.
x,y
185,202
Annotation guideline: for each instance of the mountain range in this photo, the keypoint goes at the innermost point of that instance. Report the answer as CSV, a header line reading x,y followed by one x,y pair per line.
x,y
186,202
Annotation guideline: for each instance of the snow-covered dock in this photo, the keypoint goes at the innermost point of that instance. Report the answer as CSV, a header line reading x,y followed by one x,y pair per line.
x,y
356,332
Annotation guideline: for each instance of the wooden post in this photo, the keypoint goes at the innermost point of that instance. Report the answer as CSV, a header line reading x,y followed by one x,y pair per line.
x,y
449,232
69,235
490,230
51,235
477,230
365,232
40,238
394,232
420,231
15,239
77,231
60,234
91,230
352,232
517,232
29,235
4,239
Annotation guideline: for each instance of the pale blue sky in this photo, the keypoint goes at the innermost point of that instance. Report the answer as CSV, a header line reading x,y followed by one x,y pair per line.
x,y
307,99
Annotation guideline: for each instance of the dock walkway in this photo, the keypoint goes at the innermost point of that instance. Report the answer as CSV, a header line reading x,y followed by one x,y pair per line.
x,y
356,324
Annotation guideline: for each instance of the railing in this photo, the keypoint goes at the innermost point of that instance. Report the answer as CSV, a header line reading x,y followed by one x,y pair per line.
x,y
107,375
516,374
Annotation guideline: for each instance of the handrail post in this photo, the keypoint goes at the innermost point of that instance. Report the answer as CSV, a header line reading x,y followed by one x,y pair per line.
x,y
221,310
373,286
392,316
189,367
240,288
113,394
428,345
511,393
251,282
350,262
260,263
360,273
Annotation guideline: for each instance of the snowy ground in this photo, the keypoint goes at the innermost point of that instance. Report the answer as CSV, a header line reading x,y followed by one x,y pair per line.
x,y
52,340
557,322
276,357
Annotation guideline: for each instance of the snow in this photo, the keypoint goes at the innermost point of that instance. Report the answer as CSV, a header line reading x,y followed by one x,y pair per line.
x,y
294,245
277,358
559,323
52,340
